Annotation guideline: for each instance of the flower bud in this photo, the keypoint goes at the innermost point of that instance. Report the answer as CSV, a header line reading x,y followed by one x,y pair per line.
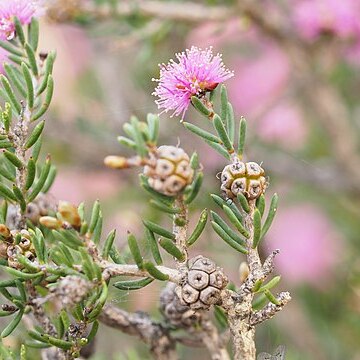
x,y
50,222
69,213
116,162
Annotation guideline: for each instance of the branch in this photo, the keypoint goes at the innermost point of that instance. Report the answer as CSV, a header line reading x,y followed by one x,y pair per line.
x,y
112,270
154,334
270,309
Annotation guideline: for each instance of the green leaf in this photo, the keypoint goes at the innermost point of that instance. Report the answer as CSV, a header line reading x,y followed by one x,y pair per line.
x,y
108,244
194,161
30,97
98,229
163,207
126,142
271,215
153,246
93,331
257,228
49,63
133,284
271,297
36,149
21,275
10,94
22,292
221,202
272,283
219,148
11,48
224,103
157,229
230,122
35,134
115,256
62,344
172,249
33,33
5,144
139,140
154,272
30,173
243,202
223,135
200,106
230,232
94,216
32,60
50,179
200,226
6,193
14,79
259,302
260,204
221,317
7,174
235,221
202,133
242,137
135,251
194,188
13,324
163,198
19,31
48,96
41,181
20,197
154,124
13,159
223,235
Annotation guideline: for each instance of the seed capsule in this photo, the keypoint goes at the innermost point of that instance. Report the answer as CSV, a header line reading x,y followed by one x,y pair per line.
x,y
245,178
203,284
169,170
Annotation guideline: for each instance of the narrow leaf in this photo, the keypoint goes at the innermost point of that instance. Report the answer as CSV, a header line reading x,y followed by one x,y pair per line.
x,y
257,228
242,137
202,133
271,215
153,244
172,249
154,272
135,251
157,229
133,284
200,226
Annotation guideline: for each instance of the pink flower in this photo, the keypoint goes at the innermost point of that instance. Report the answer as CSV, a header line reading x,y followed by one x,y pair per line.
x,y
24,10
283,124
196,72
314,17
310,247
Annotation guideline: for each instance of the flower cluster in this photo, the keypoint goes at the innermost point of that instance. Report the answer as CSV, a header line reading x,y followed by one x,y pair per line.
x,y
24,10
315,17
196,72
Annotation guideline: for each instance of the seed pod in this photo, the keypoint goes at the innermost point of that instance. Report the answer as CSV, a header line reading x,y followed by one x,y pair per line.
x,y
175,312
169,170
245,178
203,285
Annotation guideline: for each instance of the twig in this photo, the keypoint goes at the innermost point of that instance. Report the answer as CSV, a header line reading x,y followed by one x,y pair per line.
x,y
112,270
139,324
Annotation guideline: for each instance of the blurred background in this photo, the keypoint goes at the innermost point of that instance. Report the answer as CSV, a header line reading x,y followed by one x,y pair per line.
x,y
297,82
